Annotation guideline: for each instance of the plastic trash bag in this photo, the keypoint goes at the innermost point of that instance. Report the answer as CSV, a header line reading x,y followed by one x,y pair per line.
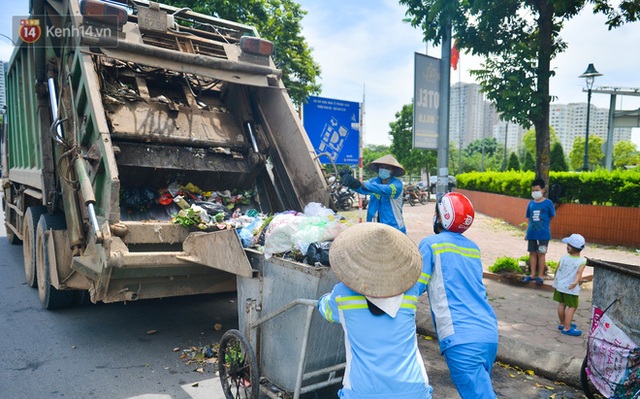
x,y
317,209
278,236
318,253
213,208
246,233
314,229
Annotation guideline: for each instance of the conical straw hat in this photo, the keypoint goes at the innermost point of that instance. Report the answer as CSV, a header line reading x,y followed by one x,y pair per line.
x,y
389,160
375,260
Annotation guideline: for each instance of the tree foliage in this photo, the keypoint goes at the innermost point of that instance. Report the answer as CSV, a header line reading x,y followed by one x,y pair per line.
x,y
514,163
518,39
625,153
412,159
278,21
528,164
595,158
558,160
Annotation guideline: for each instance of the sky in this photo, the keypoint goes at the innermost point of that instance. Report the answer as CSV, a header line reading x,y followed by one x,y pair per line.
x,y
366,52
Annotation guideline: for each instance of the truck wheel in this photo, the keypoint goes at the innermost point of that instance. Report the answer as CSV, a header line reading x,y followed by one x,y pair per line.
x,y
11,236
238,367
29,225
50,297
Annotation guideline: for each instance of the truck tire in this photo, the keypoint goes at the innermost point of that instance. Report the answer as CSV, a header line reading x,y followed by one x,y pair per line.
x,y
50,297
29,226
11,236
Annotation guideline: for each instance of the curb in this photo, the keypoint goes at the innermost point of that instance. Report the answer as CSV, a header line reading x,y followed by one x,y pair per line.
x,y
515,281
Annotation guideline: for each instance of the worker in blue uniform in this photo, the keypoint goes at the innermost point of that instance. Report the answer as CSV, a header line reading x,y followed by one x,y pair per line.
x,y
464,320
384,191
375,303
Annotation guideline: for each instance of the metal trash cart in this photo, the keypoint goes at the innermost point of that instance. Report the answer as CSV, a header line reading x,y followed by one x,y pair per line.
x,y
283,347
615,292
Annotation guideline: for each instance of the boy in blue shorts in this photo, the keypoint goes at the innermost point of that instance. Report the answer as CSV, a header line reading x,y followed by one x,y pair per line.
x,y
540,211
567,283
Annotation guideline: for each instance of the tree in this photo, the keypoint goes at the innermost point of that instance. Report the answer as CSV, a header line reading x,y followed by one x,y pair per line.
x,y
595,157
370,153
488,146
518,39
529,139
529,164
625,154
558,160
278,21
412,159
514,163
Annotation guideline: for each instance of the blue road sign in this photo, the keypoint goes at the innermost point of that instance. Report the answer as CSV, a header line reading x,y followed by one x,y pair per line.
x,y
333,127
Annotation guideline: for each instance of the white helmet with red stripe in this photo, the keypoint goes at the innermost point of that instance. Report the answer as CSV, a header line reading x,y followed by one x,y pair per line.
x,y
456,212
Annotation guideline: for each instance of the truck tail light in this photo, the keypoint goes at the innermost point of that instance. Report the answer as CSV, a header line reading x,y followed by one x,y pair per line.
x,y
254,45
103,12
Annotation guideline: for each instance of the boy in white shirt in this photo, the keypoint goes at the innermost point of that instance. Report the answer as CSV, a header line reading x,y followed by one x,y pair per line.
x,y
567,283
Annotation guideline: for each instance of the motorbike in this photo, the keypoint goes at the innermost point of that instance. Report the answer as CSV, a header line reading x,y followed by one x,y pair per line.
x,y
414,194
343,198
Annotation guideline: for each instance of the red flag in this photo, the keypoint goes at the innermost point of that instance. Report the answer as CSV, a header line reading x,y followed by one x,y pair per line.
x,y
455,55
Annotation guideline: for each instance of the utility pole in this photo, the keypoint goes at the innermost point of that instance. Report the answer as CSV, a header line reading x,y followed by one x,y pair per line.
x,y
443,118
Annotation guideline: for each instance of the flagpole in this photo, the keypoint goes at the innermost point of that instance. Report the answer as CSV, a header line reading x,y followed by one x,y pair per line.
x,y
361,150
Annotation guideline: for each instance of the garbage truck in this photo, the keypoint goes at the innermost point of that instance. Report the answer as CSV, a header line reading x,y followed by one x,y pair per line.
x,y
111,98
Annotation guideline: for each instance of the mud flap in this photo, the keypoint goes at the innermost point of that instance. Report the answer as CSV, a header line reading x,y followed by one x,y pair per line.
x,y
220,250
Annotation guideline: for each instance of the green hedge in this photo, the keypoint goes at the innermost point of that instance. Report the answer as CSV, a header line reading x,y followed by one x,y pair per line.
x,y
616,188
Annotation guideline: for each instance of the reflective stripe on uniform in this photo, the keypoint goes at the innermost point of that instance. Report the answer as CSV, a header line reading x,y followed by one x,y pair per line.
x,y
360,302
441,248
424,278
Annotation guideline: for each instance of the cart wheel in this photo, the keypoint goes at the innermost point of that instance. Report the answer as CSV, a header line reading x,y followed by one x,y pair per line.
x,y
238,367
590,391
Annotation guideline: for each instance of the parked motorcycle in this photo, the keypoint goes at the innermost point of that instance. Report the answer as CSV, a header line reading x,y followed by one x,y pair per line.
x,y
414,194
343,198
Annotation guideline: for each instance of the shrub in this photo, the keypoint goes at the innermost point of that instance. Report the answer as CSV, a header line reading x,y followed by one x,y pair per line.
x,y
617,188
552,265
505,264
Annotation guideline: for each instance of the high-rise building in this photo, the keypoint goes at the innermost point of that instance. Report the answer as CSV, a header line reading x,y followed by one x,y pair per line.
x,y
514,134
570,121
471,116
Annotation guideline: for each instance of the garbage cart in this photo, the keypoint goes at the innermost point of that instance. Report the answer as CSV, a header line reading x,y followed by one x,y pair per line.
x,y
611,366
283,346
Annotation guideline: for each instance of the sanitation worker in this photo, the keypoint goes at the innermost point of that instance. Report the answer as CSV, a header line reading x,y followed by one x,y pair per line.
x,y
384,191
375,303
464,320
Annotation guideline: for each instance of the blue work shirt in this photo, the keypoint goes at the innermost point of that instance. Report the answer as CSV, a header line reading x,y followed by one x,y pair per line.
x,y
540,215
452,277
383,360
385,199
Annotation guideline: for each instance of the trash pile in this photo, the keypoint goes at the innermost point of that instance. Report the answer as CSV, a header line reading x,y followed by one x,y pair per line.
x,y
303,237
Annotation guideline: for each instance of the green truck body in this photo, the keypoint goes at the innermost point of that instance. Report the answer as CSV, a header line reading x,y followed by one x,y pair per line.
x,y
91,115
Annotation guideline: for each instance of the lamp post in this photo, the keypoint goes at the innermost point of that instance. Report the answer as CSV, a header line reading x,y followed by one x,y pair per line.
x,y
589,75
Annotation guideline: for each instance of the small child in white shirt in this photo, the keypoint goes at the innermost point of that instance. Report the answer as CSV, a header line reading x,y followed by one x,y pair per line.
x,y
567,283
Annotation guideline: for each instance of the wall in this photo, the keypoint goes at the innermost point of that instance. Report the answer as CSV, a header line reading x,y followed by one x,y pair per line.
x,y
607,225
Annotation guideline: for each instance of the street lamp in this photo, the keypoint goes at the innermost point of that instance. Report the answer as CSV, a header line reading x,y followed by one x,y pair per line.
x,y
589,75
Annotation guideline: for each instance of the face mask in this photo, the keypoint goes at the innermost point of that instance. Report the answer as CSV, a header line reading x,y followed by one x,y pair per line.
x,y
536,194
384,174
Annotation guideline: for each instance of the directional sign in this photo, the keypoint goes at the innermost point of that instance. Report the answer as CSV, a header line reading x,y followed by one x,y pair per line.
x,y
333,126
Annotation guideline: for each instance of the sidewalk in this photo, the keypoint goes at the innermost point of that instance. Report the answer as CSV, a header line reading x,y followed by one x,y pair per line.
x,y
527,315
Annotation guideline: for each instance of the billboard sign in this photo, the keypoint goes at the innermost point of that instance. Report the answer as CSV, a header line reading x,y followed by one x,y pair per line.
x,y
333,126
426,102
